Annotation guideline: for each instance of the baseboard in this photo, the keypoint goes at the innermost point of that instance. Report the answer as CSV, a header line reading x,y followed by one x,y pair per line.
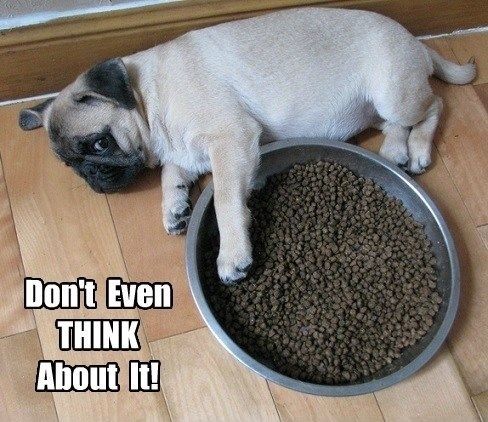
x,y
41,59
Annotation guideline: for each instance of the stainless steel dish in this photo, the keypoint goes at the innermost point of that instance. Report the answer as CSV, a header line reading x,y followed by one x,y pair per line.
x,y
277,157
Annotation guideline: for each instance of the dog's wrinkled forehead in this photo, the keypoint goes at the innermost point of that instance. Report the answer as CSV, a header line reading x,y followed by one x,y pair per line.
x,y
90,104
70,122
97,99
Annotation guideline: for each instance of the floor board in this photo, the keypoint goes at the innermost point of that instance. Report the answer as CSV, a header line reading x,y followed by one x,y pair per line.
x,y
483,231
421,398
66,231
202,382
14,318
19,354
481,403
293,406
482,91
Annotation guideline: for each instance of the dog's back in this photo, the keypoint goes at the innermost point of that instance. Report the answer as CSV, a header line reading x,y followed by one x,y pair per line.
x,y
299,70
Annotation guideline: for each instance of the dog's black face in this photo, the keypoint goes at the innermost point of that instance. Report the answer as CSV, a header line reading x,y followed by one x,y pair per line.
x,y
94,128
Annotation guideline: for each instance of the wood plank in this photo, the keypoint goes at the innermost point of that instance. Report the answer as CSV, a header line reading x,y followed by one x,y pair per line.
x,y
483,231
472,45
461,141
65,230
203,382
293,406
481,403
19,355
421,396
3,408
482,91
469,337
14,318
34,58
152,255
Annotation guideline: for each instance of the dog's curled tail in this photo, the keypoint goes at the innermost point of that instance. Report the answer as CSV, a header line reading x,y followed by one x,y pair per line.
x,y
450,72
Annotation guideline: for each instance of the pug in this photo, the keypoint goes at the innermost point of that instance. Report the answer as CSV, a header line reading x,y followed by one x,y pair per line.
x,y
206,101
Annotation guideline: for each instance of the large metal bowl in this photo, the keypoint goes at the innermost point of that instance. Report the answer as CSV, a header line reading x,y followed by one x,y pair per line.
x,y
279,156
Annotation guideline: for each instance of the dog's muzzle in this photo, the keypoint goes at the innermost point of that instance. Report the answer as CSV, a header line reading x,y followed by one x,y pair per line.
x,y
105,178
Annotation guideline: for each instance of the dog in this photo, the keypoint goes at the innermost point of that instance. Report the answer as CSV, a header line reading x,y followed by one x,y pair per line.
x,y
206,101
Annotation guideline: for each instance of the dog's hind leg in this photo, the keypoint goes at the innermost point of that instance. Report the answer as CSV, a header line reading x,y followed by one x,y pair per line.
x,y
394,147
421,137
410,105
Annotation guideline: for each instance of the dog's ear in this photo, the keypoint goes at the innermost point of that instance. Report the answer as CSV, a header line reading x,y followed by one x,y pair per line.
x,y
107,81
32,118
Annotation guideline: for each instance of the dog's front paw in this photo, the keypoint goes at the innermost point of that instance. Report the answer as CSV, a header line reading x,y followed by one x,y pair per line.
x,y
418,163
176,218
396,153
234,266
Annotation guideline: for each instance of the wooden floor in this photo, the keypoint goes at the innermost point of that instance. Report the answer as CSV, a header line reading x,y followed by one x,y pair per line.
x,y
53,226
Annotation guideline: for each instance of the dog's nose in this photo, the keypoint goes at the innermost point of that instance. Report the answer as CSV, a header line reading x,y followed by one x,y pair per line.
x,y
92,170
104,169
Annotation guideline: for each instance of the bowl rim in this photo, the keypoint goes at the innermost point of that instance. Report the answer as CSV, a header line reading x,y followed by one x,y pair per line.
x,y
306,387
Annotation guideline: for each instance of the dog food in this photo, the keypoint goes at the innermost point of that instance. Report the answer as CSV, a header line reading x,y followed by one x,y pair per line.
x,y
344,279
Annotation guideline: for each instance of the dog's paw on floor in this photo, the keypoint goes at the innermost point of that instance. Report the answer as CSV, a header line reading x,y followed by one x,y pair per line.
x,y
176,220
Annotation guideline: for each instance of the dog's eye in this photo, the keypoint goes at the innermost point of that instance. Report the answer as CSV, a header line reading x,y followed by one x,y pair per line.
x,y
101,145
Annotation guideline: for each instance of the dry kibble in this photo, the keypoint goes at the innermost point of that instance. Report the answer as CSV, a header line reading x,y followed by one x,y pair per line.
x,y
344,279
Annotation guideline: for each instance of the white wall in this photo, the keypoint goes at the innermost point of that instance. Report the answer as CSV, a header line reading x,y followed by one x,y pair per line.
x,y
16,13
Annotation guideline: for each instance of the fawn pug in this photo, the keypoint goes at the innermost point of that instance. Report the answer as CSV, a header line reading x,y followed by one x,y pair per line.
x,y
204,102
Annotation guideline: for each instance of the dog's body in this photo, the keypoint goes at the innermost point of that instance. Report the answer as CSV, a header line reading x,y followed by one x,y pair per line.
x,y
204,102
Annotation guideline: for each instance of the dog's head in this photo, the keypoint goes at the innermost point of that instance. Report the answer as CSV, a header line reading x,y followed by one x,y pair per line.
x,y
95,127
